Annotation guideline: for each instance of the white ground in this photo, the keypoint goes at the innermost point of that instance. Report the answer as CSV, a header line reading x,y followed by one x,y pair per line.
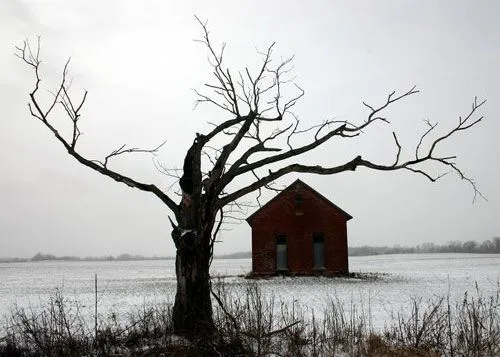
x,y
125,285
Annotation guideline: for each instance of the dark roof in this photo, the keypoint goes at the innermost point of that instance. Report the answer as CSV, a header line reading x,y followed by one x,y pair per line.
x,y
346,215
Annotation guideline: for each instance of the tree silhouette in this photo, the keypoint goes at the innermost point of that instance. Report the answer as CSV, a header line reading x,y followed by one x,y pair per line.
x,y
258,143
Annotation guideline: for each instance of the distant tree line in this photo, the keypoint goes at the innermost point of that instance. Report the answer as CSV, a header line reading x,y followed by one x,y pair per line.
x,y
122,257
488,246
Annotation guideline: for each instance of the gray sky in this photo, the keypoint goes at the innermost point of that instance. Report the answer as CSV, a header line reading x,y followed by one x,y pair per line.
x,y
139,63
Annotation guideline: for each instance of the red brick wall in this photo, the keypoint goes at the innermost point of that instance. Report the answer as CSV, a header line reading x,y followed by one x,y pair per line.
x,y
299,224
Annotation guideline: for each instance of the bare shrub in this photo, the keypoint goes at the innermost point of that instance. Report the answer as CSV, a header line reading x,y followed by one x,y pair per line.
x,y
477,325
424,328
251,323
55,329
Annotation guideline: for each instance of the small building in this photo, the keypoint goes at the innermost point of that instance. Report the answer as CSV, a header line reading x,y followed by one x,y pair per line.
x,y
299,232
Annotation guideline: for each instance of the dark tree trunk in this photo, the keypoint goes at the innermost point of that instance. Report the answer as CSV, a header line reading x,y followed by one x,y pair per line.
x,y
192,312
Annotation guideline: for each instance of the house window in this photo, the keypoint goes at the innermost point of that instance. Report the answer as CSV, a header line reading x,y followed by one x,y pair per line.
x,y
281,253
319,250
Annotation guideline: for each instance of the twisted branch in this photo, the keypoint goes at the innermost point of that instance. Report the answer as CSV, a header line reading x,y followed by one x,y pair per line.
x,y
61,96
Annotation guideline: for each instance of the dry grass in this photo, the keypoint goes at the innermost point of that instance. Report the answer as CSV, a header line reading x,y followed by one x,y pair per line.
x,y
250,324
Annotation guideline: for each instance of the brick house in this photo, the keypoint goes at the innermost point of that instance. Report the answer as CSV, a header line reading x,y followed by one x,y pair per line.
x,y
299,232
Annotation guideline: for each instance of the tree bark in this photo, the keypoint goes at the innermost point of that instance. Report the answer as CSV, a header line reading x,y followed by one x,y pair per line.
x,y
193,307
192,312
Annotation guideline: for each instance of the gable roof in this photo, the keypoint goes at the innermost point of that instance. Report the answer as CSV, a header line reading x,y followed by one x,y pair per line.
x,y
346,215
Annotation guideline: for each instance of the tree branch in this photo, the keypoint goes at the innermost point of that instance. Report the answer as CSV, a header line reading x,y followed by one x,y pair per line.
x,y
345,130
73,112
410,165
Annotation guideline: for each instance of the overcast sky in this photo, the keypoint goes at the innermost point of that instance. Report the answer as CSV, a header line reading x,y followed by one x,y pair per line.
x,y
139,63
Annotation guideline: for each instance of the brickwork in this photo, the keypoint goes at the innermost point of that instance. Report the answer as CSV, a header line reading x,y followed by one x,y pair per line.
x,y
299,212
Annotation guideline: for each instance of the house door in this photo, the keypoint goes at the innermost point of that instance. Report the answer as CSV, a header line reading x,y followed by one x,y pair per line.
x,y
319,250
281,253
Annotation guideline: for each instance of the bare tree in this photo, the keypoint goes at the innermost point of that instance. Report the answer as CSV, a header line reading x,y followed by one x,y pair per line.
x,y
258,145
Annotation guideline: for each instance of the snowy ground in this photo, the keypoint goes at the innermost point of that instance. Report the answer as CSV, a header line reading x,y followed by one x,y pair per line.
x,y
123,286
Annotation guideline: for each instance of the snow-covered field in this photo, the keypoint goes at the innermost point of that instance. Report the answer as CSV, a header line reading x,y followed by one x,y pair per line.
x,y
125,285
